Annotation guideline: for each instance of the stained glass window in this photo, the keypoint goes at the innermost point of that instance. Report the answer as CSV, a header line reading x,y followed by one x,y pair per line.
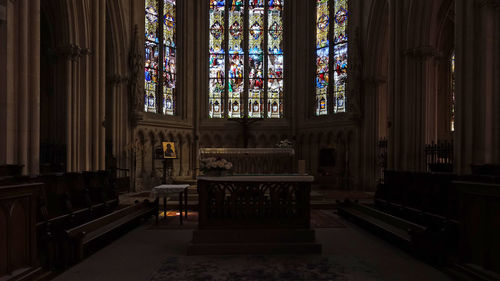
x,y
331,56
246,58
452,95
160,42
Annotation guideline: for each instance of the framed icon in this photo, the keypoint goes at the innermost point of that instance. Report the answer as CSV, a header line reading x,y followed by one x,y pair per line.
x,y
169,150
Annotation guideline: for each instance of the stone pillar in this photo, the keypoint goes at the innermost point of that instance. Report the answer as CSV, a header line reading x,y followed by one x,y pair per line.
x,y
20,84
3,85
102,84
86,108
427,128
394,97
496,87
179,156
22,19
96,75
74,125
477,62
67,72
370,131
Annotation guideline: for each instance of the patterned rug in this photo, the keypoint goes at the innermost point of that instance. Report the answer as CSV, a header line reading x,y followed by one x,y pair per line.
x,y
252,268
319,219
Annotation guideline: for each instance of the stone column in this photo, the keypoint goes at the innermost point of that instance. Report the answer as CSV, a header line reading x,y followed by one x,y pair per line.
x,y
75,116
179,156
394,93
102,84
20,84
34,78
67,71
22,87
370,132
427,127
496,86
86,106
192,158
117,118
477,61
96,76
3,85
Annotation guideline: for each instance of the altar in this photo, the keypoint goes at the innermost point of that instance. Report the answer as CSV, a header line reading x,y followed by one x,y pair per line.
x,y
254,214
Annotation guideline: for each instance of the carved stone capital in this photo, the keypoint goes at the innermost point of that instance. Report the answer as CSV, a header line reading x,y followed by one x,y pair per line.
x,y
116,79
85,52
70,52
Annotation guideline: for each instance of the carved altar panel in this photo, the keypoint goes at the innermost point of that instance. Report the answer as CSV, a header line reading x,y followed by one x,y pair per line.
x,y
254,202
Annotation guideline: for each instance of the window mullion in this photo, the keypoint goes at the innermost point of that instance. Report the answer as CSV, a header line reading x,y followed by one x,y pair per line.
x,y
225,99
331,58
265,58
161,61
246,69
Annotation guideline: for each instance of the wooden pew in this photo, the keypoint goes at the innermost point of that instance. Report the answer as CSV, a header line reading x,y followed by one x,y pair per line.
x,y
84,234
479,254
416,210
70,202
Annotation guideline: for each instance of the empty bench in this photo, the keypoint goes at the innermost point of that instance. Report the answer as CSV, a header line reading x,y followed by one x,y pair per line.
x,y
80,236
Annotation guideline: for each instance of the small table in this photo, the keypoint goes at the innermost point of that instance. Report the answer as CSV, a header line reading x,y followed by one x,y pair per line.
x,y
166,189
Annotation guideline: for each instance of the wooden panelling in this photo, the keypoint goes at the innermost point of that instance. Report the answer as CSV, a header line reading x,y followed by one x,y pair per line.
x,y
17,229
480,217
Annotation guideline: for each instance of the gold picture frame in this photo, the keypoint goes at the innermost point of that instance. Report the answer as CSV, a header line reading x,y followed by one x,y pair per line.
x,y
169,149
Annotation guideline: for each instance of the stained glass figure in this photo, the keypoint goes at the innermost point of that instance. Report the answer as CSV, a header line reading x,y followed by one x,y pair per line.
x,y
340,55
169,64
156,67
331,31
240,75
275,59
217,59
322,56
256,58
452,96
151,63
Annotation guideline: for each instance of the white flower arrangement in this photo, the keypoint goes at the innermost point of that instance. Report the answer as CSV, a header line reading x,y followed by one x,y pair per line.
x,y
286,143
214,164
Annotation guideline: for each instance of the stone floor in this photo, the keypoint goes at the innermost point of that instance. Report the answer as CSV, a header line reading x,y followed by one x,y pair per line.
x,y
139,254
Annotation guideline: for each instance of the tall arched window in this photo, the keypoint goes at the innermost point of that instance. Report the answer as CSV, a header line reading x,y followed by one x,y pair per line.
x,y
160,42
452,94
246,58
331,34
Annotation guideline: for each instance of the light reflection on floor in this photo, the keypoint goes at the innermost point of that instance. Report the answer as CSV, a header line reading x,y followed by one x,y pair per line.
x,y
169,214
